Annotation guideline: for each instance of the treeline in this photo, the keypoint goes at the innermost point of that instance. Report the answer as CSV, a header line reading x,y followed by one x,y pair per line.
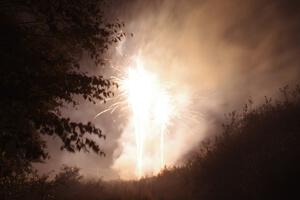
x,y
255,157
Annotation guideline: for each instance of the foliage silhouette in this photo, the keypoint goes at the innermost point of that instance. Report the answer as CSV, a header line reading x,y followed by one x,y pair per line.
x,y
255,157
41,45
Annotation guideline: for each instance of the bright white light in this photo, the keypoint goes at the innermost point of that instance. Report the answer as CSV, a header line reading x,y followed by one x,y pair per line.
x,y
151,110
159,117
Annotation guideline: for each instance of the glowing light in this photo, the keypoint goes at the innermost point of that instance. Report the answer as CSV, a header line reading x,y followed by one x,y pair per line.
x,y
151,110
158,116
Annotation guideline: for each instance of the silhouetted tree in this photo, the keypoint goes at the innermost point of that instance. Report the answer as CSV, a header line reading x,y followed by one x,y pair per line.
x,y
41,45
255,157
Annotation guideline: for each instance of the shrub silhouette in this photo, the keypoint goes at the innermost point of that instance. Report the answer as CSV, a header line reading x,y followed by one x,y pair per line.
x,y
255,157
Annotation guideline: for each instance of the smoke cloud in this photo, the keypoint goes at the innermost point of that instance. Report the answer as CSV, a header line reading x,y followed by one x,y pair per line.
x,y
222,53
219,52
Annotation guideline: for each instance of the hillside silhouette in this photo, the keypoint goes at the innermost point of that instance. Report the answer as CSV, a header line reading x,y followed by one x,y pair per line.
x,y
255,157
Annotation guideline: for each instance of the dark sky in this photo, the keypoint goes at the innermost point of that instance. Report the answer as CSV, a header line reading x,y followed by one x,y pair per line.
x,y
222,51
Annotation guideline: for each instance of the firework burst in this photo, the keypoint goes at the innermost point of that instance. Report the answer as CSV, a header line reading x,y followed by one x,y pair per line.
x,y
152,107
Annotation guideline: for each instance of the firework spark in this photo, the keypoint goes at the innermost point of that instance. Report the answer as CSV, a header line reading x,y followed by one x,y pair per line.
x,y
152,107
151,110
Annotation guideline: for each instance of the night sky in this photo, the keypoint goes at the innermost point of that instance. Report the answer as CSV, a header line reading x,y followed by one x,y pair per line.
x,y
222,52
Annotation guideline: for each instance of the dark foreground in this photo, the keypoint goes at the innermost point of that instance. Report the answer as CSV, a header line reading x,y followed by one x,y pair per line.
x,y
255,157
